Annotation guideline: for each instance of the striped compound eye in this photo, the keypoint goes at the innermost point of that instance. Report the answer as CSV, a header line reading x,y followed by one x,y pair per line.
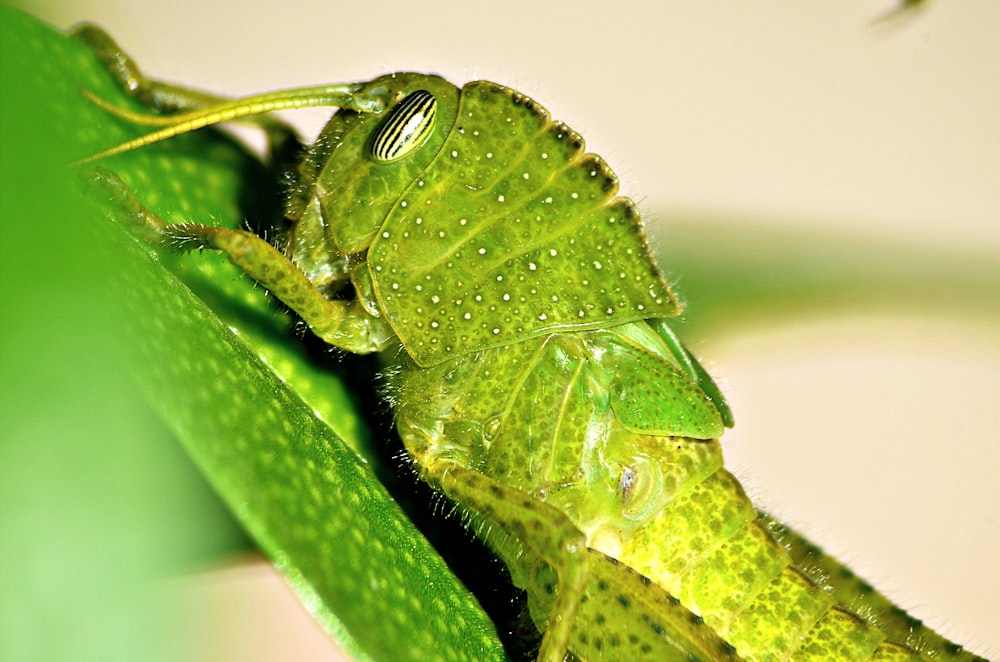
x,y
405,128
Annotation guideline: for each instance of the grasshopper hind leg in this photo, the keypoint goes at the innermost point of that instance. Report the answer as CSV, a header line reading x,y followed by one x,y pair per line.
x,y
543,531
598,609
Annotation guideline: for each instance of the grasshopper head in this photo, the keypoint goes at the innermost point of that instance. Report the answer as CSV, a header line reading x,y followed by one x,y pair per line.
x,y
362,162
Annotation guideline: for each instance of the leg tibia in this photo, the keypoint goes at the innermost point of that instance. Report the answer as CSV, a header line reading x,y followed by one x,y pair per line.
x,y
625,616
597,607
164,97
540,529
342,323
153,94
584,601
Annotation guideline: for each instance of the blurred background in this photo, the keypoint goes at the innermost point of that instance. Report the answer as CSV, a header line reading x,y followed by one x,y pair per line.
x,y
868,427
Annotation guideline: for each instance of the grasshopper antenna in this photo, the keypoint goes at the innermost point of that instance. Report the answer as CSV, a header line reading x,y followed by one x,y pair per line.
x,y
340,96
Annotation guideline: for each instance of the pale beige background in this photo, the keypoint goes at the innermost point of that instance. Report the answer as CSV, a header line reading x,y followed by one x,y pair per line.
x,y
796,112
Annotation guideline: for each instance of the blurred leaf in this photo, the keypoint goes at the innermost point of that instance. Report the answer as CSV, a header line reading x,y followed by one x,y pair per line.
x,y
734,272
302,493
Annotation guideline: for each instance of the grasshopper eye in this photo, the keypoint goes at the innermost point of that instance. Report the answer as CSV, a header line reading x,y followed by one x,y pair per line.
x,y
405,128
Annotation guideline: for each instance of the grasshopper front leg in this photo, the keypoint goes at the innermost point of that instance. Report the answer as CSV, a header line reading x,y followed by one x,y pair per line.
x,y
340,322
163,97
154,94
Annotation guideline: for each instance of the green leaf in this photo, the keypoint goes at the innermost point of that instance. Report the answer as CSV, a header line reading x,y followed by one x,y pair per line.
x,y
273,431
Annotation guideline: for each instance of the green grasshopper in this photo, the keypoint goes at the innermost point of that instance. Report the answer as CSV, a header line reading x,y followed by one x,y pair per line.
x,y
474,243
